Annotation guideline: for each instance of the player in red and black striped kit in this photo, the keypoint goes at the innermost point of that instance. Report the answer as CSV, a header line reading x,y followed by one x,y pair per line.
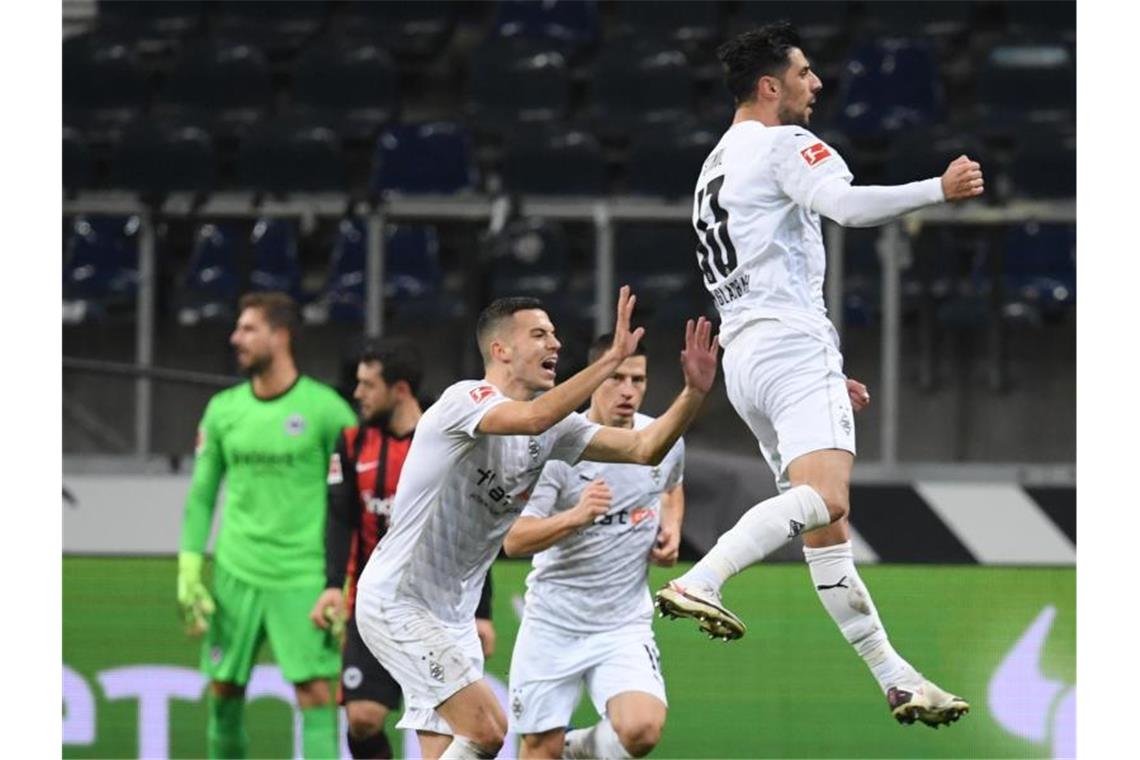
x,y
363,474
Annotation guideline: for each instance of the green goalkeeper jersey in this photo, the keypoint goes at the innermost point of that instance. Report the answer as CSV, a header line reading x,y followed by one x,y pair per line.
x,y
274,455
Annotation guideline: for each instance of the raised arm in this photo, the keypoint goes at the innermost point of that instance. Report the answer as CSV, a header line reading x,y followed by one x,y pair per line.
x,y
872,205
650,444
539,415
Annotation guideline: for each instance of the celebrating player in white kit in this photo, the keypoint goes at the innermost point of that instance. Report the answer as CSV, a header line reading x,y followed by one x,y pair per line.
x,y
593,529
756,213
476,456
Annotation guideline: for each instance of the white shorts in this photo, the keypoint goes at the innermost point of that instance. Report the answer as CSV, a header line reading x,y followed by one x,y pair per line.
x,y
789,388
548,668
430,659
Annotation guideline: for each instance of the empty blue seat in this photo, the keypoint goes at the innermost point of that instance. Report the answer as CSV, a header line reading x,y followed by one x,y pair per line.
x,y
641,86
1040,265
555,162
1044,165
344,294
155,159
574,22
281,157
667,165
889,85
659,263
276,257
349,84
517,81
423,158
1028,82
100,268
209,288
219,80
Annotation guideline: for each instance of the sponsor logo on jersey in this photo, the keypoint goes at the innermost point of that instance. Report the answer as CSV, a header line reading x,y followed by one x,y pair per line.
x,y
200,442
481,393
295,425
640,514
815,154
353,677
336,472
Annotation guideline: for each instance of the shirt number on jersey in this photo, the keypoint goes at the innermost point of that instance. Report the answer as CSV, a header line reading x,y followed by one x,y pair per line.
x,y
712,239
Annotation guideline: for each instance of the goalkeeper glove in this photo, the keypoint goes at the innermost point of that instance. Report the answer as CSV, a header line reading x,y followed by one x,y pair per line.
x,y
193,599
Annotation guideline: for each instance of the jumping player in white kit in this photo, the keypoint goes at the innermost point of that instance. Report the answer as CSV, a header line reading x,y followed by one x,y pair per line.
x,y
594,529
757,209
477,454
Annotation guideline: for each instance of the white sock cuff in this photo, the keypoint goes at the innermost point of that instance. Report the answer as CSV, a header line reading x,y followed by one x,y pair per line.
x,y
814,507
462,748
826,553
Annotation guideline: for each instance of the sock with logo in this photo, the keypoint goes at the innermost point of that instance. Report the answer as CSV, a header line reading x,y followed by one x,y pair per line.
x,y
847,600
599,740
760,531
318,731
372,746
462,748
225,726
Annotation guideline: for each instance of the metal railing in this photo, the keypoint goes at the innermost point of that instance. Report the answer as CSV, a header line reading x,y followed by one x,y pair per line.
x,y
603,213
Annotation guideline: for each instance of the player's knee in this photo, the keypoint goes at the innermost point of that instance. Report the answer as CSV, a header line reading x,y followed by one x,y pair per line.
x,y
639,735
489,737
365,718
835,498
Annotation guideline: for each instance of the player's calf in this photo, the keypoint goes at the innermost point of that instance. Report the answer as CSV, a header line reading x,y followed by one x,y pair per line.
x,y
366,737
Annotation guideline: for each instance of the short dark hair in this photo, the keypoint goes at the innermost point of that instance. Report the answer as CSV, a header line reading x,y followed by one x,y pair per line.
x,y
399,359
279,309
602,344
501,308
756,53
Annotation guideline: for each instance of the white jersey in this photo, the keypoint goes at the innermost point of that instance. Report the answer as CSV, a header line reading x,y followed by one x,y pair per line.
x,y
458,494
595,579
760,248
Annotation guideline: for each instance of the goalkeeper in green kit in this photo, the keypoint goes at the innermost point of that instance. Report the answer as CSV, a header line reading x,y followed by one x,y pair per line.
x,y
270,439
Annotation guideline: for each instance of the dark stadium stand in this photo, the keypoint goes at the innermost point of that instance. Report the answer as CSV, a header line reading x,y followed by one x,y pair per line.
x,y
423,158
517,82
100,269
282,157
888,86
156,158
276,260
555,162
209,288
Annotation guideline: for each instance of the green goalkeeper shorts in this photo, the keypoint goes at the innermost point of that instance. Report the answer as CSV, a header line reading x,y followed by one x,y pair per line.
x,y
245,615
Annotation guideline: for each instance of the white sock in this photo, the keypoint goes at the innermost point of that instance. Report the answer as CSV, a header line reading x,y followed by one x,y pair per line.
x,y
760,531
462,748
847,600
598,741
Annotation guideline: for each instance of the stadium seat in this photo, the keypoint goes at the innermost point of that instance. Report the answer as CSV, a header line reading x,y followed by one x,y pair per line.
x,y
208,290
277,27
1040,266
554,162
1043,18
682,21
413,278
284,157
1028,82
932,18
922,153
815,21
529,258
103,81
411,31
889,85
100,268
276,258
343,297
517,81
226,83
572,22
666,164
423,158
155,159
641,86
1044,165
78,171
146,18
658,261
349,84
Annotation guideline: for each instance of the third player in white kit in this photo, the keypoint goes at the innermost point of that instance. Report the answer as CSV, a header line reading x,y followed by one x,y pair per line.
x,y
594,528
756,212
476,456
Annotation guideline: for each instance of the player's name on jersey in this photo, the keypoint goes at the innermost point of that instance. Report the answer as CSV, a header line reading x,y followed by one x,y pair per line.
x,y
731,290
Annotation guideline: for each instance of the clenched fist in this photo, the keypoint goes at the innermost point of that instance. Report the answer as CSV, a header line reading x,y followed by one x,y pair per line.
x,y
962,179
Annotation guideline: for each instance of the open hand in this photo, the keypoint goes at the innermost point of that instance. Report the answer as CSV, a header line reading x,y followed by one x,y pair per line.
x,y
698,358
625,342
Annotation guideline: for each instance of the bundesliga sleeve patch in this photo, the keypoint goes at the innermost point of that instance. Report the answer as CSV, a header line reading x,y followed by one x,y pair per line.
x,y
481,393
816,153
336,472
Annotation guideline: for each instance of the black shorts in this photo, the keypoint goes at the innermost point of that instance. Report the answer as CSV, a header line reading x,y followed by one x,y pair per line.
x,y
361,676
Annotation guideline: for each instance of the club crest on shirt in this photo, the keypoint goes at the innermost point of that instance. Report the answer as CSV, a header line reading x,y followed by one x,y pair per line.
x,y
815,154
435,670
516,706
655,473
480,393
295,425
353,677
533,449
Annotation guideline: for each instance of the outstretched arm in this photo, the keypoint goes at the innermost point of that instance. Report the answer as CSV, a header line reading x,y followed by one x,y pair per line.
x,y
539,415
872,205
650,444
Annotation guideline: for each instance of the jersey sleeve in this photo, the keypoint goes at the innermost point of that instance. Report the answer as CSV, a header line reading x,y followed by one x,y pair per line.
x,y
209,468
343,516
804,163
464,405
573,433
676,474
543,499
